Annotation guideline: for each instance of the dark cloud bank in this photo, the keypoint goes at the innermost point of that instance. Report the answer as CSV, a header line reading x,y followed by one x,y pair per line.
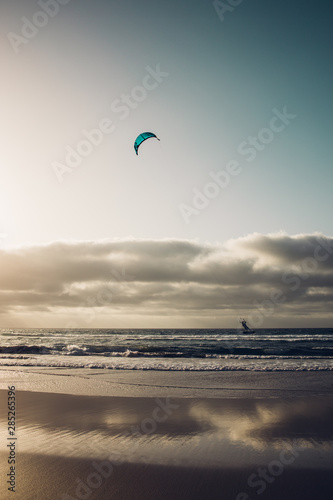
x,y
266,276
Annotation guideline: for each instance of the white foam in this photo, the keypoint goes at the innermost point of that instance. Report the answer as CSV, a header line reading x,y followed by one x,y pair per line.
x,y
226,363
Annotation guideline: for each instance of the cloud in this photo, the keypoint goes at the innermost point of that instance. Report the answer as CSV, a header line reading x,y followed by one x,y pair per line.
x,y
171,277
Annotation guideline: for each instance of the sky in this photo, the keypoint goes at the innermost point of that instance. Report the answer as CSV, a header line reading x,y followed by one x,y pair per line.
x,y
223,213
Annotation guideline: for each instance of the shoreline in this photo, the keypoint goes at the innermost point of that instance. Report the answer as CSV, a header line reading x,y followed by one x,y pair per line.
x,y
186,384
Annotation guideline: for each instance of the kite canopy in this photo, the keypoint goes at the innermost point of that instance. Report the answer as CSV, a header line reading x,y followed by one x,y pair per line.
x,y
142,137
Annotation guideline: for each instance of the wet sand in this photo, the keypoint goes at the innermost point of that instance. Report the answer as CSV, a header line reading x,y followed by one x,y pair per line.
x,y
46,478
236,445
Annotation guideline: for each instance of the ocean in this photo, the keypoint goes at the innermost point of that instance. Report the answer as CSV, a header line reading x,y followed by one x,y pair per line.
x,y
306,349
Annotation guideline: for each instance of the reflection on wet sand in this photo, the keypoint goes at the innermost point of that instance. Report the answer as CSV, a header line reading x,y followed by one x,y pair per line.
x,y
200,432
168,448
260,424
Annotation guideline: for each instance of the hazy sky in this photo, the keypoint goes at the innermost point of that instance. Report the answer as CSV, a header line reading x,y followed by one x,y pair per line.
x,y
241,99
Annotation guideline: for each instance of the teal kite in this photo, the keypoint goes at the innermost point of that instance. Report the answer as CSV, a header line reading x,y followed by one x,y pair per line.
x,y
142,137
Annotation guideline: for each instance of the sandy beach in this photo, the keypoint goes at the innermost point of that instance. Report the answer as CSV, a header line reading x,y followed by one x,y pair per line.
x,y
139,435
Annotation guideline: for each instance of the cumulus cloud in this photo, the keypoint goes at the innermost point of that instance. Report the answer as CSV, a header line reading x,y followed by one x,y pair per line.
x,y
172,277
